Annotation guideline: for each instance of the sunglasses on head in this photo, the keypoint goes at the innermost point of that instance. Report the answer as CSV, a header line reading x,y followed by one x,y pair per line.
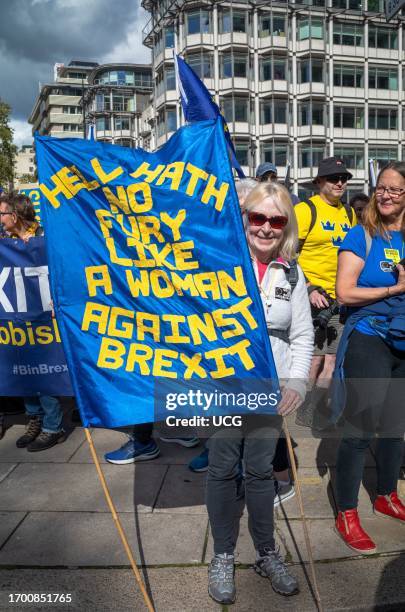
x,y
258,219
335,178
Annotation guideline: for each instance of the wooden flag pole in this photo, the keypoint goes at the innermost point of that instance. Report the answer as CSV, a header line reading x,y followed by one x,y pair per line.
x,y
118,522
303,518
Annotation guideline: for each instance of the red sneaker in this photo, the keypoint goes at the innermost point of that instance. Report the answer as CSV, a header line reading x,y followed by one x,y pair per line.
x,y
349,528
390,506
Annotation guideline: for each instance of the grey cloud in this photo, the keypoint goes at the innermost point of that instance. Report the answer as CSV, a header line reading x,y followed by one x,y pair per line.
x,y
35,34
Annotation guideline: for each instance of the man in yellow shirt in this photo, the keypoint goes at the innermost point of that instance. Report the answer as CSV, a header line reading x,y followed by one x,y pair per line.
x,y
323,222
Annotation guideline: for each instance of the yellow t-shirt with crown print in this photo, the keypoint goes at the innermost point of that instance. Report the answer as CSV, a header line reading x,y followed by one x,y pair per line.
x,y
318,258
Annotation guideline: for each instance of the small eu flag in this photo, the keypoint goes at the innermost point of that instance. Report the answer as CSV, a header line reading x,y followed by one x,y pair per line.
x,y
198,104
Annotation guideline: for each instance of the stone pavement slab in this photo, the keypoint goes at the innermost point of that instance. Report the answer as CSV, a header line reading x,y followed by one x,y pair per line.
x,y
8,522
317,497
182,491
57,454
6,469
327,545
91,539
322,453
73,487
352,585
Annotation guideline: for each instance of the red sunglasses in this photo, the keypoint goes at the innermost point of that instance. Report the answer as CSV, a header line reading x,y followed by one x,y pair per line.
x,y
258,219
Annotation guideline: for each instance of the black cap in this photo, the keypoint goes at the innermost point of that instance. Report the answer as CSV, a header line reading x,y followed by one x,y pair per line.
x,y
332,165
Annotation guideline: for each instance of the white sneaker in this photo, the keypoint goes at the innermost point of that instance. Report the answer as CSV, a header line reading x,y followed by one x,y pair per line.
x,y
283,493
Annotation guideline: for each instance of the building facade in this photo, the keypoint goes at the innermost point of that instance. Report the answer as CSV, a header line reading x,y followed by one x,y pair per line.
x,y
296,81
24,165
57,111
115,97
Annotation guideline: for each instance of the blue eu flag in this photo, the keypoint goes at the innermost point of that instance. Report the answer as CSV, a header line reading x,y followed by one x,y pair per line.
x,y
198,104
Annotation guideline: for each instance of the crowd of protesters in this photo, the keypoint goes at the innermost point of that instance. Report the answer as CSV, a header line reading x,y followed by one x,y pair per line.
x,y
331,278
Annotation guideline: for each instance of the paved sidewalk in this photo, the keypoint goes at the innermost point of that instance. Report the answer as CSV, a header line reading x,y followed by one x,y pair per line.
x,y
57,536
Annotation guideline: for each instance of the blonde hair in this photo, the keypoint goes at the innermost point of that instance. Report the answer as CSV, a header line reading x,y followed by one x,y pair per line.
x,y
371,218
281,199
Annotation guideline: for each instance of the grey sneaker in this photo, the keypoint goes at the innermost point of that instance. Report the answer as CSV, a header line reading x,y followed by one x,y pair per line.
x,y
221,583
283,493
270,564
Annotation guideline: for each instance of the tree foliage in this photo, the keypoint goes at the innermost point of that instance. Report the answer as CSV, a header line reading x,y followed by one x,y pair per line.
x,y
27,178
7,149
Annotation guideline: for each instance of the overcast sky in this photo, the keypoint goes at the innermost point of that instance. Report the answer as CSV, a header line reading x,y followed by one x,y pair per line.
x,y
34,34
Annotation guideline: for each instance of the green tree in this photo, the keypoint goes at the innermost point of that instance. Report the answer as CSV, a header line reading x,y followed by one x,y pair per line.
x,y
7,149
27,178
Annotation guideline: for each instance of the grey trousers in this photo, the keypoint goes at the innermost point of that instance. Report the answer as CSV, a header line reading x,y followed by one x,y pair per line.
x,y
257,440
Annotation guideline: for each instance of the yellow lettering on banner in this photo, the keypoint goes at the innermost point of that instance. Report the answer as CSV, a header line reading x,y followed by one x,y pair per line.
x,y
60,188
175,223
150,226
148,323
211,191
144,190
89,185
98,276
127,329
114,257
105,177
56,331
143,170
175,336
221,320
105,219
237,284
174,173
119,201
182,251
98,314
184,284
196,175
160,290
138,285
164,359
243,308
71,180
139,354
192,365
44,334
207,282
240,348
222,370
205,327
142,261
111,354
133,231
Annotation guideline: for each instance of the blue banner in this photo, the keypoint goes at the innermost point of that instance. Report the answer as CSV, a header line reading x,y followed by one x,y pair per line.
x,y
150,270
34,195
31,355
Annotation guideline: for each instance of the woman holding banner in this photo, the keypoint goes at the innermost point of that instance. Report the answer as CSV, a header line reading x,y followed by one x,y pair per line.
x,y
44,428
272,236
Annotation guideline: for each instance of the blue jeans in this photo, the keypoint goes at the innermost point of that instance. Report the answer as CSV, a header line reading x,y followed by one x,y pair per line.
x,y
48,408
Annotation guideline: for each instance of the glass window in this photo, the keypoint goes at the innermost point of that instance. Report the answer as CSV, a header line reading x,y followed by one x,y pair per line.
x,y
348,117
275,152
241,108
348,76
382,78
272,24
103,123
265,69
310,28
242,153
239,21
235,65
266,112
311,155
235,109
170,78
169,37
311,71
201,63
171,120
278,28
353,157
198,22
348,34
122,123
383,155
280,111
383,118
279,69
129,78
311,113
227,109
382,38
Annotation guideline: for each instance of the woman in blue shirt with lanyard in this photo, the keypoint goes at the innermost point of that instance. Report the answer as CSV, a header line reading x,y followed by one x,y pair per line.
x,y
369,275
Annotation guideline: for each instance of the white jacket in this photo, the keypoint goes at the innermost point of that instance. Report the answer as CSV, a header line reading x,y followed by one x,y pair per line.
x,y
291,312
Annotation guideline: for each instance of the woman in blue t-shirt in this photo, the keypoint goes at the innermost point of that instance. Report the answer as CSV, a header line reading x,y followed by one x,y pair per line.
x,y
368,275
